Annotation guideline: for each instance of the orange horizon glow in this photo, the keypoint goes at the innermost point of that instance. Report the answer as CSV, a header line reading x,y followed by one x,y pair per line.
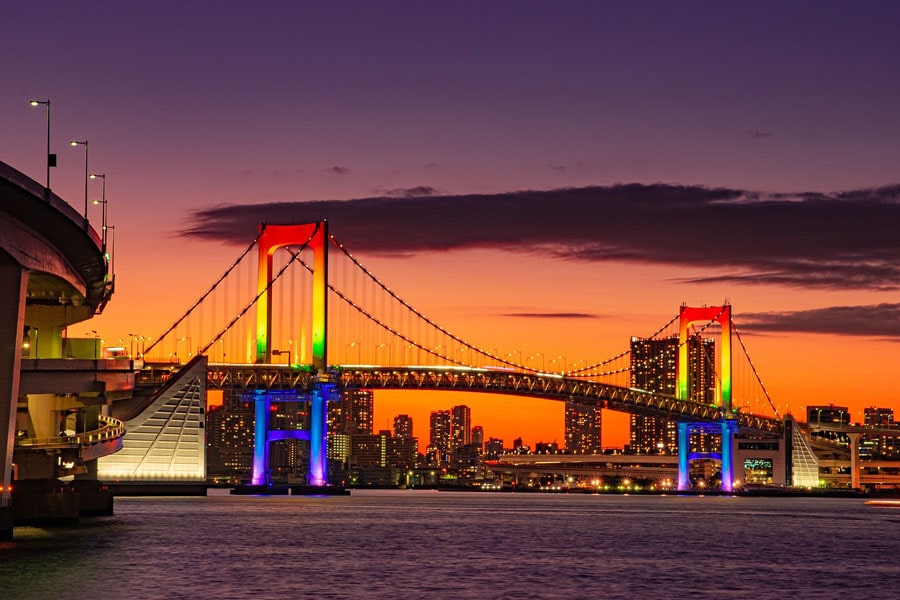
x,y
797,369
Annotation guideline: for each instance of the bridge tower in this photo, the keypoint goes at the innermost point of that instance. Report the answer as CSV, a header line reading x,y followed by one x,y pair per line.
x,y
272,237
727,426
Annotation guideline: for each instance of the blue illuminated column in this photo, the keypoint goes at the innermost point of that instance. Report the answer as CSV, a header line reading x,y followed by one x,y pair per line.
x,y
261,441
318,434
684,471
728,429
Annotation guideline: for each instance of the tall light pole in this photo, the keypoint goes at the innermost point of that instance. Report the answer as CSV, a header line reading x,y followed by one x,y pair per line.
x,y
51,158
85,144
111,256
103,202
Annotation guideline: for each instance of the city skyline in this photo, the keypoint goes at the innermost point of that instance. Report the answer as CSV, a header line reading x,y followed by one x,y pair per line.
x,y
549,180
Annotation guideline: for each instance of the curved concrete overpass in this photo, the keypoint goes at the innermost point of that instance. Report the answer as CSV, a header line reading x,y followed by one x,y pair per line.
x,y
52,273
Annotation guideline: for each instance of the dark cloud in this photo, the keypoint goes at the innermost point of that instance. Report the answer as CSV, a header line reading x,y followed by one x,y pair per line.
x,y
841,240
561,315
413,192
559,168
878,320
758,134
337,170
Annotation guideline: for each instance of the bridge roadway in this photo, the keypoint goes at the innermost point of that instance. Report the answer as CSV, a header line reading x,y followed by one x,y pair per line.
x,y
486,380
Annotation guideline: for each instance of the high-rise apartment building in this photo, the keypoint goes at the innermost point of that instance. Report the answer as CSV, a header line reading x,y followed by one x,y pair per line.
x,y
353,413
440,443
450,430
653,368
583,425
461,427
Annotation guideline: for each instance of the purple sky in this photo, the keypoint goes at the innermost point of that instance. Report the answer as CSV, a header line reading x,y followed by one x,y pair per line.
x,y
196,109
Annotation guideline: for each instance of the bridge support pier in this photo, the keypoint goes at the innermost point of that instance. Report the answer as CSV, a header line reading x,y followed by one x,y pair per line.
x,y
854,460
316,435
726,456
14,280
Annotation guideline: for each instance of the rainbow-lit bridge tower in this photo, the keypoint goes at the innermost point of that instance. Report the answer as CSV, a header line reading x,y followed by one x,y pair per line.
x,y
728,424
272,237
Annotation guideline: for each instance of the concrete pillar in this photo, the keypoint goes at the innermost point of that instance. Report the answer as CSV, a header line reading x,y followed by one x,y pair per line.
x,y
854,459
13,282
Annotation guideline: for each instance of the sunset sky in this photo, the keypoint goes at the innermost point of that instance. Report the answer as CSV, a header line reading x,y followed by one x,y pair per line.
x,y
546,177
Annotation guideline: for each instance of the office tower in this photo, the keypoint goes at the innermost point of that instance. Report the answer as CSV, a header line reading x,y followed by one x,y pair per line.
x,y
653,368
583,424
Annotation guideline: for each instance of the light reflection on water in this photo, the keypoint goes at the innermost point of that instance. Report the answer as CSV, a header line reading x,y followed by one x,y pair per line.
x,y
426,544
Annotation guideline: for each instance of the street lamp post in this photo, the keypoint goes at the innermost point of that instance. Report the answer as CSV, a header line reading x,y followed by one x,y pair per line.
x,y
103,202
51,158
281,352
85,144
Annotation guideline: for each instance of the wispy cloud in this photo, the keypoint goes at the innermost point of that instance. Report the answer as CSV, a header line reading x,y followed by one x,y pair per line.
x,y
808,240
338,170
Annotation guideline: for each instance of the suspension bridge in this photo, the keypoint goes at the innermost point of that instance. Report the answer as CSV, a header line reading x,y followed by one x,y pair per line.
x,y
308,316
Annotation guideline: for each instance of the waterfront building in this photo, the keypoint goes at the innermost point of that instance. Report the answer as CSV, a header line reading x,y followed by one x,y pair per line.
x,y
493,448
583,428
229,439
880,446
402,452
828,415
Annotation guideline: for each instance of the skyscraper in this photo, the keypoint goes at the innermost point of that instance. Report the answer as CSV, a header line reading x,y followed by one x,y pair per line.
x,y
653,368
583,424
